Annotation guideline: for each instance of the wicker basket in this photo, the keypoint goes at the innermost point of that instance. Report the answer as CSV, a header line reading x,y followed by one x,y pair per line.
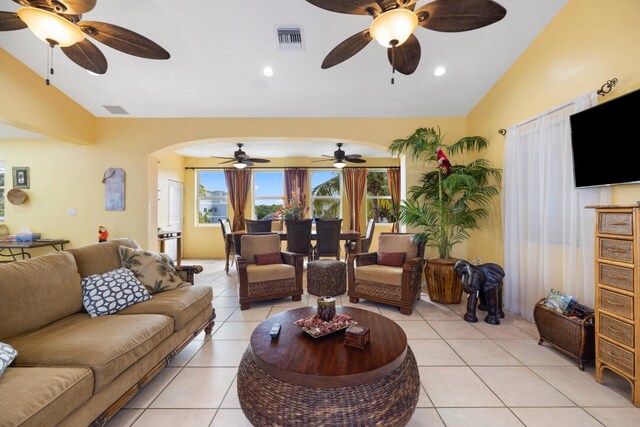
x,y
572,336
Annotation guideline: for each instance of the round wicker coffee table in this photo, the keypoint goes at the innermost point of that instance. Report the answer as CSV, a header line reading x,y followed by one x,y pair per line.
x,y
297,380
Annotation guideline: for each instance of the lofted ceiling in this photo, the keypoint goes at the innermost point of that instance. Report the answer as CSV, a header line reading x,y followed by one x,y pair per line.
x,y
8,132
219,49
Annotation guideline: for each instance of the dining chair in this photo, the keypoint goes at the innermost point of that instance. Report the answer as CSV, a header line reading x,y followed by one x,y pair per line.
x,y
258,226
365,243
299,237
225,227
327,238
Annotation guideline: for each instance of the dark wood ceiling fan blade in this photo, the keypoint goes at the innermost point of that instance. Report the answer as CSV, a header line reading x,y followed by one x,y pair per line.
x,y
10,21
254,160
347,49
460,15
124,40
87,55
407,55
248,162
322,160
223,158
22,2
352,156
324,155
228,161
355,160
351,7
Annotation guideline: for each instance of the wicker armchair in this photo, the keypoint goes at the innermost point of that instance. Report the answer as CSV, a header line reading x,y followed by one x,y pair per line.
x,y
270,281
365,243
397,286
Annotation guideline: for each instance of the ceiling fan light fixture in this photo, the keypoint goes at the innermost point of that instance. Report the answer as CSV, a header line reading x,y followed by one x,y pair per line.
x,y
48,26
339,164
397,24
239,165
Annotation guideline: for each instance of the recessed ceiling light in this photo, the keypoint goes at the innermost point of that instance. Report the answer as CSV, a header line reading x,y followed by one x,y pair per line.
x,y
439,71
268,71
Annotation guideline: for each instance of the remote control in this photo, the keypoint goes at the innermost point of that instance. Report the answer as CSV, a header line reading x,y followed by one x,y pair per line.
x,y
275,330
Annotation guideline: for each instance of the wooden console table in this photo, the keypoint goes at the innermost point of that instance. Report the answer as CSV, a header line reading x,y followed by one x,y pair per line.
x,y
164,235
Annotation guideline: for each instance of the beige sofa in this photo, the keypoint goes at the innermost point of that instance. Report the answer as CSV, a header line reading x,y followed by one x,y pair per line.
x,y
74,370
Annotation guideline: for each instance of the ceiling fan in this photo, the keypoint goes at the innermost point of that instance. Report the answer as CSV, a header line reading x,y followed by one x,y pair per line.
x,y
395,20
59,23
340,158
240,159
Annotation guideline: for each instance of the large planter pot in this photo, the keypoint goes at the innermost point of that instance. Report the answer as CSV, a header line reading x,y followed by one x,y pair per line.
x,y
443,284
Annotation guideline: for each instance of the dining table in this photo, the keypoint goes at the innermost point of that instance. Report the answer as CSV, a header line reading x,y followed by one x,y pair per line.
x,y
235,238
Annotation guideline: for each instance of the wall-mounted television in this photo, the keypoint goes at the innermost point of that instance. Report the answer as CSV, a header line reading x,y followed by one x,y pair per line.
x,y
603,140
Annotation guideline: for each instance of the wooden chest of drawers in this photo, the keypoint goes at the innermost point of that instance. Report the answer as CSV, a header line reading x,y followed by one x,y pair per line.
x,y
617,272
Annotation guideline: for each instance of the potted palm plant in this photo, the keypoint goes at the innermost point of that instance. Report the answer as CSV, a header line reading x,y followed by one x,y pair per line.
x,y
447,203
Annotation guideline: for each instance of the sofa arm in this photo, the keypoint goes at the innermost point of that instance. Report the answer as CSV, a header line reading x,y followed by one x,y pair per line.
x,y
412,274
291,258
365,259
187,272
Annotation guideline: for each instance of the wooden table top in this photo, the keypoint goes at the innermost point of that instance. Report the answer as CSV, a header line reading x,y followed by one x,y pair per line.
x,y
297,358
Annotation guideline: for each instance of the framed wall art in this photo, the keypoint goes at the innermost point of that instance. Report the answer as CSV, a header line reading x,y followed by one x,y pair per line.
x,y
21,177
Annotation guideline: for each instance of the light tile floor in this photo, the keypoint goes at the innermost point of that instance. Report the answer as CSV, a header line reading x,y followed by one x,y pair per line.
x,y
472,374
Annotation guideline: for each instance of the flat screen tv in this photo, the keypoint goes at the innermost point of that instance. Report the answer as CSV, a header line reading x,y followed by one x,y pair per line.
x,y
603,140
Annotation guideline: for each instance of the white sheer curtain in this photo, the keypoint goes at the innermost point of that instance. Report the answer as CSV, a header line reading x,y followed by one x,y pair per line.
x,y
548,233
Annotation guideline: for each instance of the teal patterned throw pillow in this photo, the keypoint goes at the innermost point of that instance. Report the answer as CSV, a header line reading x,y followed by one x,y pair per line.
x,y
7,354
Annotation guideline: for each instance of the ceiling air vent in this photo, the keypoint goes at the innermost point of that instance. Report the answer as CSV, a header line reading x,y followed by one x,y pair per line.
x,y
116,109
290,38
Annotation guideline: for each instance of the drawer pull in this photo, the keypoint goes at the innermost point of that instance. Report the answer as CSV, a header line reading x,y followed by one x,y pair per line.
x,y
618,251
612,329
617,304
616,276
619,223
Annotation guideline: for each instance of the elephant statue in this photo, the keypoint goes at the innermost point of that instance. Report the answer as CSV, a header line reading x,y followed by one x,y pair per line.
x,y
485,280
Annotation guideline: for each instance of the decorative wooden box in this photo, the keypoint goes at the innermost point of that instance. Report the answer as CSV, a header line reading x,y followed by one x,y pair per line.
x,y
356,336
571,335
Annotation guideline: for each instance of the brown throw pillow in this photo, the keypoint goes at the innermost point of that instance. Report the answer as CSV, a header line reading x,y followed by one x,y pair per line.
x,y
266,259
154,270
392,259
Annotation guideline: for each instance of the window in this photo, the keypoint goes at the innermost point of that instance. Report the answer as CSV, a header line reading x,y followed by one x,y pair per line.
x,y
1,191
212,197
325,194
378,197
268,190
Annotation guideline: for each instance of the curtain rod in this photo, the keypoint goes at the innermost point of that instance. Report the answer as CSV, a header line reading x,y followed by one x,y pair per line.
x,y
284,167
604,90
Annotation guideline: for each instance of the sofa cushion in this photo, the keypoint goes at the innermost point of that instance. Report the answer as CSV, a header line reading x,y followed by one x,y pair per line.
x,y
379,274
106,344
398,243
154,270
181,304
34,397
28,288
251,245
112,291
101,257
7,354
262,273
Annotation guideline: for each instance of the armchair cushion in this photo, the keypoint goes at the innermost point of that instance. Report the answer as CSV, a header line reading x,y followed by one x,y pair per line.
x,y
251,245
391,259
379,274
398,243
263,273
267,259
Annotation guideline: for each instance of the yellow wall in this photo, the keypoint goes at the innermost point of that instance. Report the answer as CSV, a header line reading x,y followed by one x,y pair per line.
x,y
588,43
65,175
27,103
